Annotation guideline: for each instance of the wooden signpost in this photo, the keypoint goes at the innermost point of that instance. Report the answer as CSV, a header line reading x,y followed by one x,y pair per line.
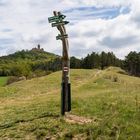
x,y
57,21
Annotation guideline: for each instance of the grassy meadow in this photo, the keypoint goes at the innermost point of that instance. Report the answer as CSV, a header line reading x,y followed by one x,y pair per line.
x,y
3,81
30,110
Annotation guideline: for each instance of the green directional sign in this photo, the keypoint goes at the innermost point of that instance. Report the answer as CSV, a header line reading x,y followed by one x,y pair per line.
x,y
59,23
56,18
62,16
61,36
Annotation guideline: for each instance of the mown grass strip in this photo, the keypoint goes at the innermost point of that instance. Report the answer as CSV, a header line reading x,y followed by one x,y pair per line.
x,y
3,81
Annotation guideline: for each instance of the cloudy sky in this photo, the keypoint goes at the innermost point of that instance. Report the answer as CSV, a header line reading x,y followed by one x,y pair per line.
x,y
95,25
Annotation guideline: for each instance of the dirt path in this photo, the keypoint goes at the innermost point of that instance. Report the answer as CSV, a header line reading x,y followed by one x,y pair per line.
x,y
74,119
97,73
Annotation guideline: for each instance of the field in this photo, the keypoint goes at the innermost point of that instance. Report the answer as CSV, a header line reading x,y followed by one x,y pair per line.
x,y
30,109
3,81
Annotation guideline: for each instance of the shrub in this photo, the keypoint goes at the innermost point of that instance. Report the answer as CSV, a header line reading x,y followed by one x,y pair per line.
x,y
115,78
12,79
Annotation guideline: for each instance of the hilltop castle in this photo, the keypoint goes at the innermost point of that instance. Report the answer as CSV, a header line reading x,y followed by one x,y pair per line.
x,y
38,48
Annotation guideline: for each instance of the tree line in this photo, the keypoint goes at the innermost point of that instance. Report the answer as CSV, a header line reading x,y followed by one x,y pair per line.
x,y
96,60
29,64
38,63
132,63
102,60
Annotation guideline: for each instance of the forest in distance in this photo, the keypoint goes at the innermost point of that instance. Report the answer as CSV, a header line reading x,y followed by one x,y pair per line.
x,y
34,63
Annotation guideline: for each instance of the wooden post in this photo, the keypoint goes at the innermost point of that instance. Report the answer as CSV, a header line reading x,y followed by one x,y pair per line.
x,y
66,87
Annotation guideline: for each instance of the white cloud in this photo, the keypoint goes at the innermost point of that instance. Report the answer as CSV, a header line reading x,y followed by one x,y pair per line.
x,y
98,3
25,22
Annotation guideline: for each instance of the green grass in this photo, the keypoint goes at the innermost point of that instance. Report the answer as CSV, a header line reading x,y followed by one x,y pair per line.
x,y
31,109
3,81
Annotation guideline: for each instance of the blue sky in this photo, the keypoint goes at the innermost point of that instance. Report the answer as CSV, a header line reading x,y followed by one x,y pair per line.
x,y
95,25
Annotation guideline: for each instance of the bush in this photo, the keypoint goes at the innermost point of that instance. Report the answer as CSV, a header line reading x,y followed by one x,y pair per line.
x,y
12,79
114,78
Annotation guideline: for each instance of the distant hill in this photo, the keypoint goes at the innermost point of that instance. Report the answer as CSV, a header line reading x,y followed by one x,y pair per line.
x,y
29,63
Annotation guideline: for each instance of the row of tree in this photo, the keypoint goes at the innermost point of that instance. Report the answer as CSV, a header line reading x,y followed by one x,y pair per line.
x,y
131,63
38,63
96,60
29,63
30,69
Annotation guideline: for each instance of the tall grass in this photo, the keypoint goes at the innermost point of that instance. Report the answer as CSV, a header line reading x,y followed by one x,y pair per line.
x,y
31,109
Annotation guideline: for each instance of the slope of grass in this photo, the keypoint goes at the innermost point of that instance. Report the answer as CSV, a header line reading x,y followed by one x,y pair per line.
x,y
31,109
3,81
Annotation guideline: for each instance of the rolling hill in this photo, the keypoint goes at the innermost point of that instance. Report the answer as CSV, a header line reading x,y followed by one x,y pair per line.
x,y
29,63
30,109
